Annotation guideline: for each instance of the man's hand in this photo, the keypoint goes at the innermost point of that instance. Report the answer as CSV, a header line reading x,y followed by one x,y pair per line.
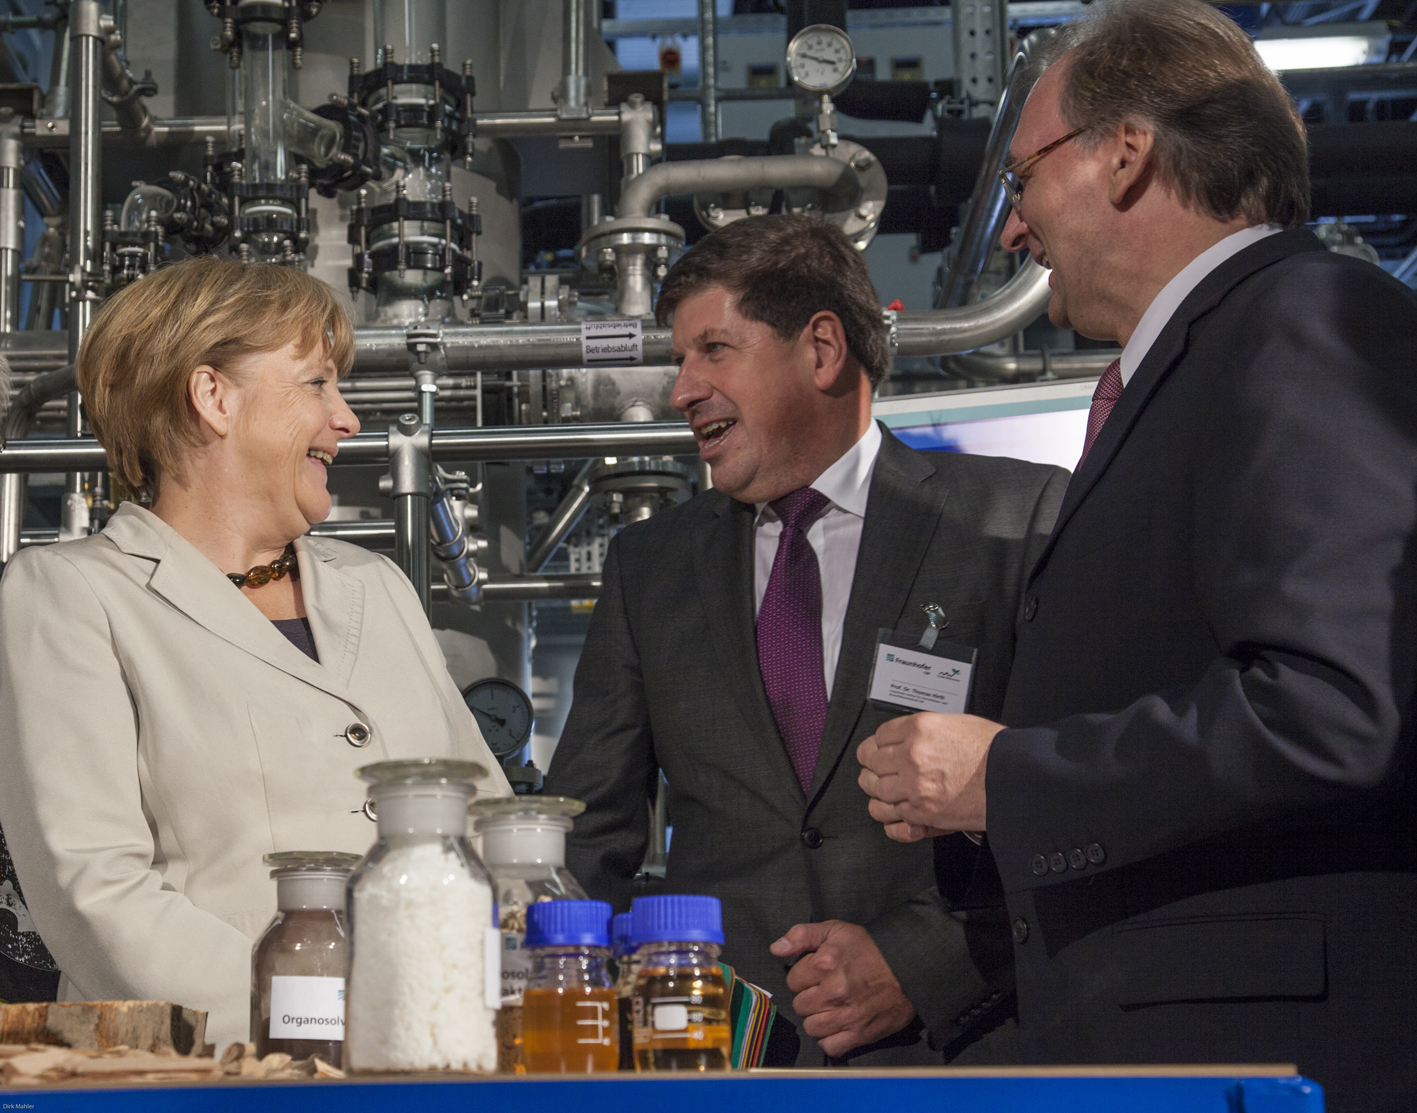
x,y
925,774
846,994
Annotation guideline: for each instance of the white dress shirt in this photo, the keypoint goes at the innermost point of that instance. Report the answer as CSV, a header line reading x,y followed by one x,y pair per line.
x,y
835,537
1164,307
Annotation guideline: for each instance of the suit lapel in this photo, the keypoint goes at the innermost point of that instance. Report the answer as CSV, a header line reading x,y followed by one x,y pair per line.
x,y
1161,358
900,523
195,586
723,563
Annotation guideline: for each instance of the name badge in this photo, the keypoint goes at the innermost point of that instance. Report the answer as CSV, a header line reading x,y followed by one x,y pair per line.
x,y
906,677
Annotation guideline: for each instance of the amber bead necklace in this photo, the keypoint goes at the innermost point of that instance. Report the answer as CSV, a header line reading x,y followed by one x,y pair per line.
x,y
283,565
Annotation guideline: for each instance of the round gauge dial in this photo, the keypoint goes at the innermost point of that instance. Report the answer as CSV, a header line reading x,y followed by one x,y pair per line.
x,y
821,59
503,713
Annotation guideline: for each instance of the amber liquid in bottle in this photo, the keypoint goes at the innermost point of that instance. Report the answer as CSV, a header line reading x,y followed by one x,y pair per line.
x,y
681,1019
570,1031
308,943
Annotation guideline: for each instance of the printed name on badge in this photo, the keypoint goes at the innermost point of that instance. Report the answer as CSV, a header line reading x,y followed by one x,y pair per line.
x,y
911,679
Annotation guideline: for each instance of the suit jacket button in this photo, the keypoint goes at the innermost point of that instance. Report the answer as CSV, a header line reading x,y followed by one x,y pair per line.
x,y
1095,854
1039,865
1030,608
811,838
368,810
1020,930
1077,859
357,735
1056,862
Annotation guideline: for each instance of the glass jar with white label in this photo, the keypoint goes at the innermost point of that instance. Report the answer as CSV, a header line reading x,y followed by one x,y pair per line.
x,y
423,984
297,966
524,845
680,1001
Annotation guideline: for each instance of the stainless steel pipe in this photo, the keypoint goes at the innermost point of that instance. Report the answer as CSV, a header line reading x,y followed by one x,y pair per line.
x,y
722,175
573,96
1009,367
988,207
946,331
178,131
507,125
122,92
12,223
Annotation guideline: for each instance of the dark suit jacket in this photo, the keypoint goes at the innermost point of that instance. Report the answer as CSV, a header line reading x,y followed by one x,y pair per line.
x,y
669,679
1203,815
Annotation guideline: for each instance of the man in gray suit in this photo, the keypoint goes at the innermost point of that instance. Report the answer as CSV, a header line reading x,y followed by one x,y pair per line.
x,y
733,643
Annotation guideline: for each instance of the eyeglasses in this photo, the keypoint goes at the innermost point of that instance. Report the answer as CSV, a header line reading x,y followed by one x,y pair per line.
x,y
1013,184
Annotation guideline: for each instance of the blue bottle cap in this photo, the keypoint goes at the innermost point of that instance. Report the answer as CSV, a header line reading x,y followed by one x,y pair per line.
x,y
568,923
676,919
620,933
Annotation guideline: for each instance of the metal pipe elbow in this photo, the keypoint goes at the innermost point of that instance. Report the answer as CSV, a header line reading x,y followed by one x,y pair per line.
x,y
837,180
940,332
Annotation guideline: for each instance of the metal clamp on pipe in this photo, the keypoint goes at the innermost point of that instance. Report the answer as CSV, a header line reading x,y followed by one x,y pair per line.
x,y
452,546
410,484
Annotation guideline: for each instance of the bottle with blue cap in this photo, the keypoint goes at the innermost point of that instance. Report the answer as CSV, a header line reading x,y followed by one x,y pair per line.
x,y
569,1017
681,997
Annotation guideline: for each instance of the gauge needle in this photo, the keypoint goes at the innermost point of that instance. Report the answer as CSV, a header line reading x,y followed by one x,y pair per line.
x,y
499,722
823,61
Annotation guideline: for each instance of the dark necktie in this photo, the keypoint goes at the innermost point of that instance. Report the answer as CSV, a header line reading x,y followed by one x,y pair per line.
x,y
1109,389
790,634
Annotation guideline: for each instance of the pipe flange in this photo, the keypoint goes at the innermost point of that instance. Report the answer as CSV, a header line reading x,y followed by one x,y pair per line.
x,y
647,225
859,222
661,240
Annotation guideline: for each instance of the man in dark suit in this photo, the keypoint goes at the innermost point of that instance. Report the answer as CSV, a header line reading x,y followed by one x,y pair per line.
x,y
1201,805
733,641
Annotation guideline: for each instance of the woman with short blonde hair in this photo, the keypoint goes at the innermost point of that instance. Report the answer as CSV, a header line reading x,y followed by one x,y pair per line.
x,y
193,688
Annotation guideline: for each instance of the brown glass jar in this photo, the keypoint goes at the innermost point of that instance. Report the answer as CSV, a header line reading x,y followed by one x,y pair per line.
x,y
297,966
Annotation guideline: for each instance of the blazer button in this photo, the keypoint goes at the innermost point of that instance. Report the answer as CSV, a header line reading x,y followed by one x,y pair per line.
x,y
1039,865
1020,930
357,735
811,838
1030,608
1077,859
369,811
1095,854
1056,862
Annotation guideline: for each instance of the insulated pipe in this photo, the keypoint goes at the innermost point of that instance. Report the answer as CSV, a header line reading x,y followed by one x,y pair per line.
x,y
940,332
837,180
988,206
12,222
708,70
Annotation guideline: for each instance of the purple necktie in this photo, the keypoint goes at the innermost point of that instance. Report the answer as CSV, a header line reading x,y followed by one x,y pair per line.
x,y
790,634
1109,389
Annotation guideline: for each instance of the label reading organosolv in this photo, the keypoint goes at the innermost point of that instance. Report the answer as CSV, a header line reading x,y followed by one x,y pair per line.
x,y
307,1008
516,967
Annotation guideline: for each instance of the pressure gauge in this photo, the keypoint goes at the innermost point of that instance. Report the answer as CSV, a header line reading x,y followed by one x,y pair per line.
x,y
821,59
503,713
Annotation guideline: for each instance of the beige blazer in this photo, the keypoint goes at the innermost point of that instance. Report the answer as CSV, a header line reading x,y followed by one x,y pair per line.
x,y
158,735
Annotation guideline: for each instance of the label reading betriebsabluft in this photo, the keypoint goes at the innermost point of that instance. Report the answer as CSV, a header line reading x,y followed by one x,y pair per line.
x,y
612,342
516,967
307,1008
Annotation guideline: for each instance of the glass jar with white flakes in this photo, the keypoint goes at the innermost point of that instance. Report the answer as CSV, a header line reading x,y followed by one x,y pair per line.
x,y
423,984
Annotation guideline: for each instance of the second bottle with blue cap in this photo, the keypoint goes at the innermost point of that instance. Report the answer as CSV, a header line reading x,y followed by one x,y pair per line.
x,y
681,996
570,1022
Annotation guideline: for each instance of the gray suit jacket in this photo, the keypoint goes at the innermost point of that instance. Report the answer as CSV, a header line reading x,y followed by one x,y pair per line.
x,y
669,680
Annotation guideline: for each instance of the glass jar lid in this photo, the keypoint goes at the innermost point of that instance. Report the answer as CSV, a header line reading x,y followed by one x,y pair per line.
x,y
423,771
532,806
289,863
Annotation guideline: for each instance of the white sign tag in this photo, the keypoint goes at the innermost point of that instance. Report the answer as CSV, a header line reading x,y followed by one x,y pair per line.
x,y
492,967
307,1008
612,342
912,679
